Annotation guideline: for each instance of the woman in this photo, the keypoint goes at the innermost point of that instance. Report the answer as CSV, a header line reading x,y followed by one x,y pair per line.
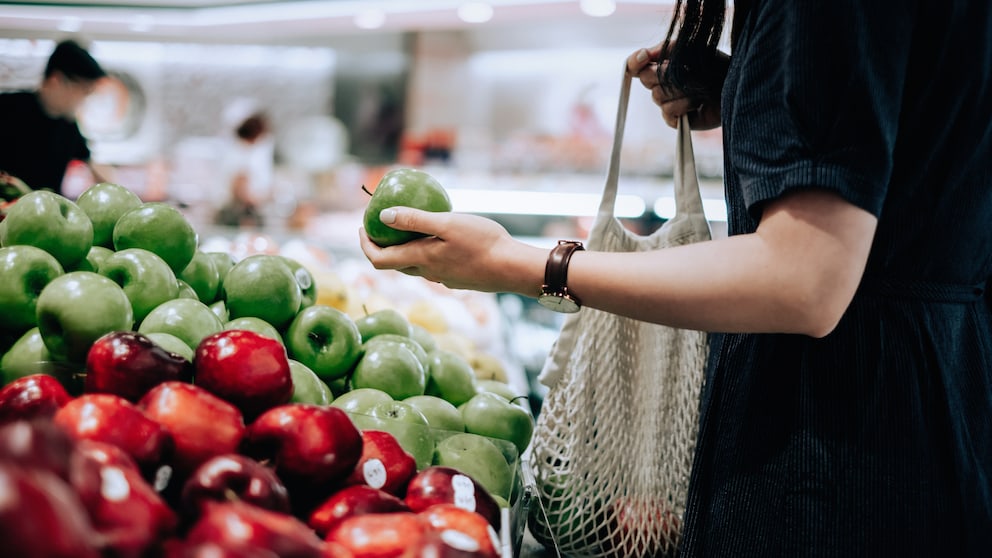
x,y
848,403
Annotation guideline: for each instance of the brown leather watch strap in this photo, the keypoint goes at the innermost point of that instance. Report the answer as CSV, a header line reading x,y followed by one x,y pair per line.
x,y
556,270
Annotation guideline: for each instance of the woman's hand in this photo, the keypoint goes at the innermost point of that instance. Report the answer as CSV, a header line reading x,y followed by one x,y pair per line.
x,y
461,251
643,65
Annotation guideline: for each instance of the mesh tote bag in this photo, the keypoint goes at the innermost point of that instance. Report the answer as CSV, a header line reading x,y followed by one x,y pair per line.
x,y
614,439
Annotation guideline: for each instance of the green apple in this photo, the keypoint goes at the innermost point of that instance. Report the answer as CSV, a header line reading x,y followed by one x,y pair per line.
x,y
450,377
382,321
360,400
28,355
406,423
393,368
490,415
262,285
185,290
308,285
220,309
171,343
258,325
51,222
25,270
96,256
223,262
145,277
402,187
160,228
326,340
307,387
188,319
201,274
76,309
478,457
422,335
407,342
441,414
504,390
104,203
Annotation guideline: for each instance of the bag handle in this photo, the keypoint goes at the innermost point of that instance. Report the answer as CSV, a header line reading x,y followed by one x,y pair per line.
x,y
686,189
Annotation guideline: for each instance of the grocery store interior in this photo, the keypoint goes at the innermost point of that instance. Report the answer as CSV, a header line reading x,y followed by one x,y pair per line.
x,y
509,104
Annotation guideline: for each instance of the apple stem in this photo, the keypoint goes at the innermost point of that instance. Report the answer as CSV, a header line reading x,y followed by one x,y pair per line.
x,y
366,190
515,399
230,495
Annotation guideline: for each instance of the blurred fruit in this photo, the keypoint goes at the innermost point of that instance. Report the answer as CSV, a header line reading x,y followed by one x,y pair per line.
x,y
229,477
468,530
351,501
384,463
488,367
37,396
114,420
445,485
246,529
381,535
428,315
76,309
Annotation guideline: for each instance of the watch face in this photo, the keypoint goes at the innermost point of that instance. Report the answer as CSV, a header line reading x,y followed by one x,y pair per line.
x,y
558,303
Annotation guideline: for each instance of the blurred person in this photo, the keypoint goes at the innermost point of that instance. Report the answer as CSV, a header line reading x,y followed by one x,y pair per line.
x,y
249,164
41,136
847,404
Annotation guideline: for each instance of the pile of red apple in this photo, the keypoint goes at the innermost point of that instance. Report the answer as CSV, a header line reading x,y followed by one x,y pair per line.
x,y
161,400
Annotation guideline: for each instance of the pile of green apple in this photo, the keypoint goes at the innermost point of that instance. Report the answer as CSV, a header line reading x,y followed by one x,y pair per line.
x,y
89,288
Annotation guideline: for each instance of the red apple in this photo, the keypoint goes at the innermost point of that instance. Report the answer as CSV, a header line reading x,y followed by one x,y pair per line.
x,y
201,424
128,364
129,514
308,444
232,477
38,445
384,463
242,526
29,397
351,501
114,420
642,526
444,485
246,368
464,530
40,516
381,535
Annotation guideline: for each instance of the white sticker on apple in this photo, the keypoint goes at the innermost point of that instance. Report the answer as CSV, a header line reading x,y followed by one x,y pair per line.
x,y
114,485
494,537
375,473
459,541
464,492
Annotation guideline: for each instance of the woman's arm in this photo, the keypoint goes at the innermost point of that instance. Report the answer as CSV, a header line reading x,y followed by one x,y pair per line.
x,y
797,273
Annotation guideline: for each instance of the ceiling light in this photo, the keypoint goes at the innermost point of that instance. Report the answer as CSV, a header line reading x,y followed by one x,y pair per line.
x,y
370,19
598,8
475,12
70,24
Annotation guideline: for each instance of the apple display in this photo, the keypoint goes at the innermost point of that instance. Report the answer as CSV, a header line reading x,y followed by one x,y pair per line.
x,y
52,223
440,413
231,477
159,228
76,309
262,285
450,377
37,396
188,319
465,530
445,485
392,368
480,458
384,463
326,340
402,187
246,368
104,203
386,535
114,420
248,529
493,416
25,271
408,425
307,386
128,364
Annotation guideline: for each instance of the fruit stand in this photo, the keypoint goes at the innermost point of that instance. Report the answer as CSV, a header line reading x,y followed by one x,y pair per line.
x,y
172,390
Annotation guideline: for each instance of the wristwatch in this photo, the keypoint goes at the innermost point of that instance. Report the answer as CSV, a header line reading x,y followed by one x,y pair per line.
x,y
554,293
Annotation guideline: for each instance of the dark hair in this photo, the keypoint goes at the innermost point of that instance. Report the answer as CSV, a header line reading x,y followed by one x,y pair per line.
x,y
72,61
691,43
252,127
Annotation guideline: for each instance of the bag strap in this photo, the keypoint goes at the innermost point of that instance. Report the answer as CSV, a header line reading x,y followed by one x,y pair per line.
x,y
686,190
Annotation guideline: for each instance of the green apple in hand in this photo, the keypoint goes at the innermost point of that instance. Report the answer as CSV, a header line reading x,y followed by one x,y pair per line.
x,y
51,222
383,321
76,309
188,319
450,377
440,414
360,400
258,325
308,285
160,228
145,277
307,387
201,274
171,343
478,457
402,187
24,272
326,340
406,423
104,203
490,415
263,286
391,367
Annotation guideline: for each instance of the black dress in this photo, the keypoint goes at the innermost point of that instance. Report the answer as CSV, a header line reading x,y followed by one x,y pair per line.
x,y
875,440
